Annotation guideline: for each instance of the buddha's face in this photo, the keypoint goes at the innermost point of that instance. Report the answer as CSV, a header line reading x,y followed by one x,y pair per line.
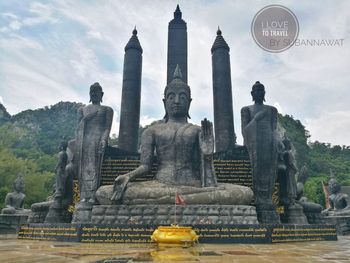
x,y
177,102
333,186
258,94
96,96
19,186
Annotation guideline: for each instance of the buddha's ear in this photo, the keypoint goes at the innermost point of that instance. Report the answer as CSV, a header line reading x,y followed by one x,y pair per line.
x,y
189,104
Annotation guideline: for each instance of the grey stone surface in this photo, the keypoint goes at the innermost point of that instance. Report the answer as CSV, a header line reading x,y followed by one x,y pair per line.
x,y
165,214
162,193
10,223
39,211
131,96
177,46
225,137
295,215
82,213
94,125
259,123
184,155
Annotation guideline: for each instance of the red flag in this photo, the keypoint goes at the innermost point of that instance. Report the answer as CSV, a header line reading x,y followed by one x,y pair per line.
x,y
179,200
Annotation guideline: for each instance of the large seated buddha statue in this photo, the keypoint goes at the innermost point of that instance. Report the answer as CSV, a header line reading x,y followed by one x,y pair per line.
x,y
184,154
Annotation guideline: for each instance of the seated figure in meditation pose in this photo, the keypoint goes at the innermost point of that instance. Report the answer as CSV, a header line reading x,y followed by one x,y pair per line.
x,y
14,201
339,202
184,161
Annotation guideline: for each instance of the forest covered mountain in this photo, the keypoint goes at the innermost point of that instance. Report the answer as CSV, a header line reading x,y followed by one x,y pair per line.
x,y
29,144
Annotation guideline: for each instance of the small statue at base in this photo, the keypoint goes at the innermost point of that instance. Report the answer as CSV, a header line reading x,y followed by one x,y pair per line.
x,y
14,201
58,210
288,184
185,165
60,172
287,169
308,207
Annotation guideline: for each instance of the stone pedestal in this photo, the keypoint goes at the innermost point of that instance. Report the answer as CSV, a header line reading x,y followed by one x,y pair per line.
x,y
82,213
267,214
342,223
295,215
268,217
9,224
165,214
58,214
39,212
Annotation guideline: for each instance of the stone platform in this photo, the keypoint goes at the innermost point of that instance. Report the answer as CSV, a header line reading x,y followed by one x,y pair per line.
x,y
341,222
165,214
10,224
221,234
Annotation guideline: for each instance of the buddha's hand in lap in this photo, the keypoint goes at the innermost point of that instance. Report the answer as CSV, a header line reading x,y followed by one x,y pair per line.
x,y
119,187
206,138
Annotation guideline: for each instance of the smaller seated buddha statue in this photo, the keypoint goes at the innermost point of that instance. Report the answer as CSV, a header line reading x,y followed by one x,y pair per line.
x,y
339,202
184,154
14,201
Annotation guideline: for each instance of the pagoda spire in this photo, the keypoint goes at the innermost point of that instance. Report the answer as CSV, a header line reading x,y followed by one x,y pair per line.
x,y
225,137
131,95
219,42
177,46
134,42
177,13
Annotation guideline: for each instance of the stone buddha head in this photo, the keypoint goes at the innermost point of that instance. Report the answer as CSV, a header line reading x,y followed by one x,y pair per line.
x,y
96,93
333,186
18,184
177,97
258,92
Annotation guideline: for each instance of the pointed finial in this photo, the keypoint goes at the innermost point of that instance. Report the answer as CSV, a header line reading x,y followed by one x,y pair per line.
x,y
218,32
134,32
177,72
177,13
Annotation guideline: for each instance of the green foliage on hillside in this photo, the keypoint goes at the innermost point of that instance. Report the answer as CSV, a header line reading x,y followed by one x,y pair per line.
x,y
29,144
38,180
46,127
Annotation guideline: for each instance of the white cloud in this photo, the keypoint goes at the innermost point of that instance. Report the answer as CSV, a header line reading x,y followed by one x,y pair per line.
x,y
63,59
9,15
332,127
1,100
147,120
43,14
94,34
15,25
278,107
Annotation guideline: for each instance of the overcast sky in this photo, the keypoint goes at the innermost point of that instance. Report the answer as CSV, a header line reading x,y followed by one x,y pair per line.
x,y
52,51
